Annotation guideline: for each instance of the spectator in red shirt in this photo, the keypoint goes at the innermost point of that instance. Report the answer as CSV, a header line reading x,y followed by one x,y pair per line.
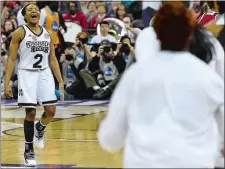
x,y
100,16
75,16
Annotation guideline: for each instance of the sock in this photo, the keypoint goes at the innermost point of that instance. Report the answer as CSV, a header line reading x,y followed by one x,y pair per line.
x,y
28,146
96,87
29,134
40,126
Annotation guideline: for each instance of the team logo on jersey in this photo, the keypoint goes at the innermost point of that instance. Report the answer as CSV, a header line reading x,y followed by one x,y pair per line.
x,y
38,46
55,26
46,35
34,38
108,71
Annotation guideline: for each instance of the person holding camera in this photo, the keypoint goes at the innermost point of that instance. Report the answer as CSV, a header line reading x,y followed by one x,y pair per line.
x,y
103,81
81,47
73,61
126,50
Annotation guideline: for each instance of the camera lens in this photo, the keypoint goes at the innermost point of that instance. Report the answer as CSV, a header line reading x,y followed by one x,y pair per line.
x,y
107,49
3,53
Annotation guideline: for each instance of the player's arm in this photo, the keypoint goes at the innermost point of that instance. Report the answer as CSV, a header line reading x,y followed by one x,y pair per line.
x,y
17,36
55,69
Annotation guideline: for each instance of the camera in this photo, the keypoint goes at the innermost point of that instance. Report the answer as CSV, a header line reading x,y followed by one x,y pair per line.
x,y
125,49
3,53
82,41
69,57
106,49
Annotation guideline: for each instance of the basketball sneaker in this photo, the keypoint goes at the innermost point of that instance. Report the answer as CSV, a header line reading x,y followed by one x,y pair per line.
x,y
38,137
29,159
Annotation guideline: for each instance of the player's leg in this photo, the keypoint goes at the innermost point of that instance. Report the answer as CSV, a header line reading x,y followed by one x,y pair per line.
x,y
29,155
47,116
46,95
27,98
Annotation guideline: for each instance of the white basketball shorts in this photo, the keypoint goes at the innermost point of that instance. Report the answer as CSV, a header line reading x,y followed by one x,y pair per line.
x,y
36,86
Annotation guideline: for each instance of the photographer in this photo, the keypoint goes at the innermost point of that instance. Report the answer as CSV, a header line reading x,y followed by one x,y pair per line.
x,y
81,47
73,61
103,81
126,50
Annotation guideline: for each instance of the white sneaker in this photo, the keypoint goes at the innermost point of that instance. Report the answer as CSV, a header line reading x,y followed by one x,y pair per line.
x,y
29,159
38,138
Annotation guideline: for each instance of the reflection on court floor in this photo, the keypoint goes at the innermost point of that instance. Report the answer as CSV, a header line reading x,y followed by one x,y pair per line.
x,y
70,140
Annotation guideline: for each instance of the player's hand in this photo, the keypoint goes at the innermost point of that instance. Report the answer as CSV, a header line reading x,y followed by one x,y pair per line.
x,y
61,89
8,92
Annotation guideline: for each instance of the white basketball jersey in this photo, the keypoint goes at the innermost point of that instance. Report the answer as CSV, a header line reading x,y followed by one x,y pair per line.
x,y
34,50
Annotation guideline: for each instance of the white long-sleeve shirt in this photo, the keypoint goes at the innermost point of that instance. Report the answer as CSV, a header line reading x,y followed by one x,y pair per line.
x,y
166,117
146,40
217,62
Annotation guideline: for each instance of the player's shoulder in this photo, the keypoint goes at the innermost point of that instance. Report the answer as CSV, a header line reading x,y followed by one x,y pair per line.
x,y
19,33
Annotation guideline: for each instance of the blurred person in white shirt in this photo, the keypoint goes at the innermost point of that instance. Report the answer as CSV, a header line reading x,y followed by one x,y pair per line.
x,y
172,115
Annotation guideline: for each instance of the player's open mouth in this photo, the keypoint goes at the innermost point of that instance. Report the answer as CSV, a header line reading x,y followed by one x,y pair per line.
x,y
34,16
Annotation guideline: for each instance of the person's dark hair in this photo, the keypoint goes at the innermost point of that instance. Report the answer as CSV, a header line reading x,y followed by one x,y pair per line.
x,y
221,5
200,45
41,4
125,37
174,26
129,16
104,23
23,12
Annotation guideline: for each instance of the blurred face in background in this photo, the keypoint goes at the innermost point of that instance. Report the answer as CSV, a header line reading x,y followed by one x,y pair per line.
x,y
121,10
72,8
127,21
92,7
127,41
8,26
115,5
101,12
104,29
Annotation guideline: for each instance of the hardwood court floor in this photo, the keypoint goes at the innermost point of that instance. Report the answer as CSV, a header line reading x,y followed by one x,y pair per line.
x,y
70,140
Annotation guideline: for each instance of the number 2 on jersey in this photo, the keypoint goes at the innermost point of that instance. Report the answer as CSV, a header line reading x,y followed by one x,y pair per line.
x,y
40,57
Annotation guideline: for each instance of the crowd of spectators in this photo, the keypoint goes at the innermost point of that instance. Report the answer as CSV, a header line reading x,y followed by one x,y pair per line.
x,y
92,65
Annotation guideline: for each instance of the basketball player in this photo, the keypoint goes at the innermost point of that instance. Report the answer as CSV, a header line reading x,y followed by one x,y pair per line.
x,y
36,82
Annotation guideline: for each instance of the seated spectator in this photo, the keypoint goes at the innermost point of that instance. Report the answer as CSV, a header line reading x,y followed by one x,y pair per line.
x,y
132,33
6,36
99,17
126,50
75,16
104,35
121,12
72,65
111,67
81,47
5,14
84,9
65,60
92,11
112,8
